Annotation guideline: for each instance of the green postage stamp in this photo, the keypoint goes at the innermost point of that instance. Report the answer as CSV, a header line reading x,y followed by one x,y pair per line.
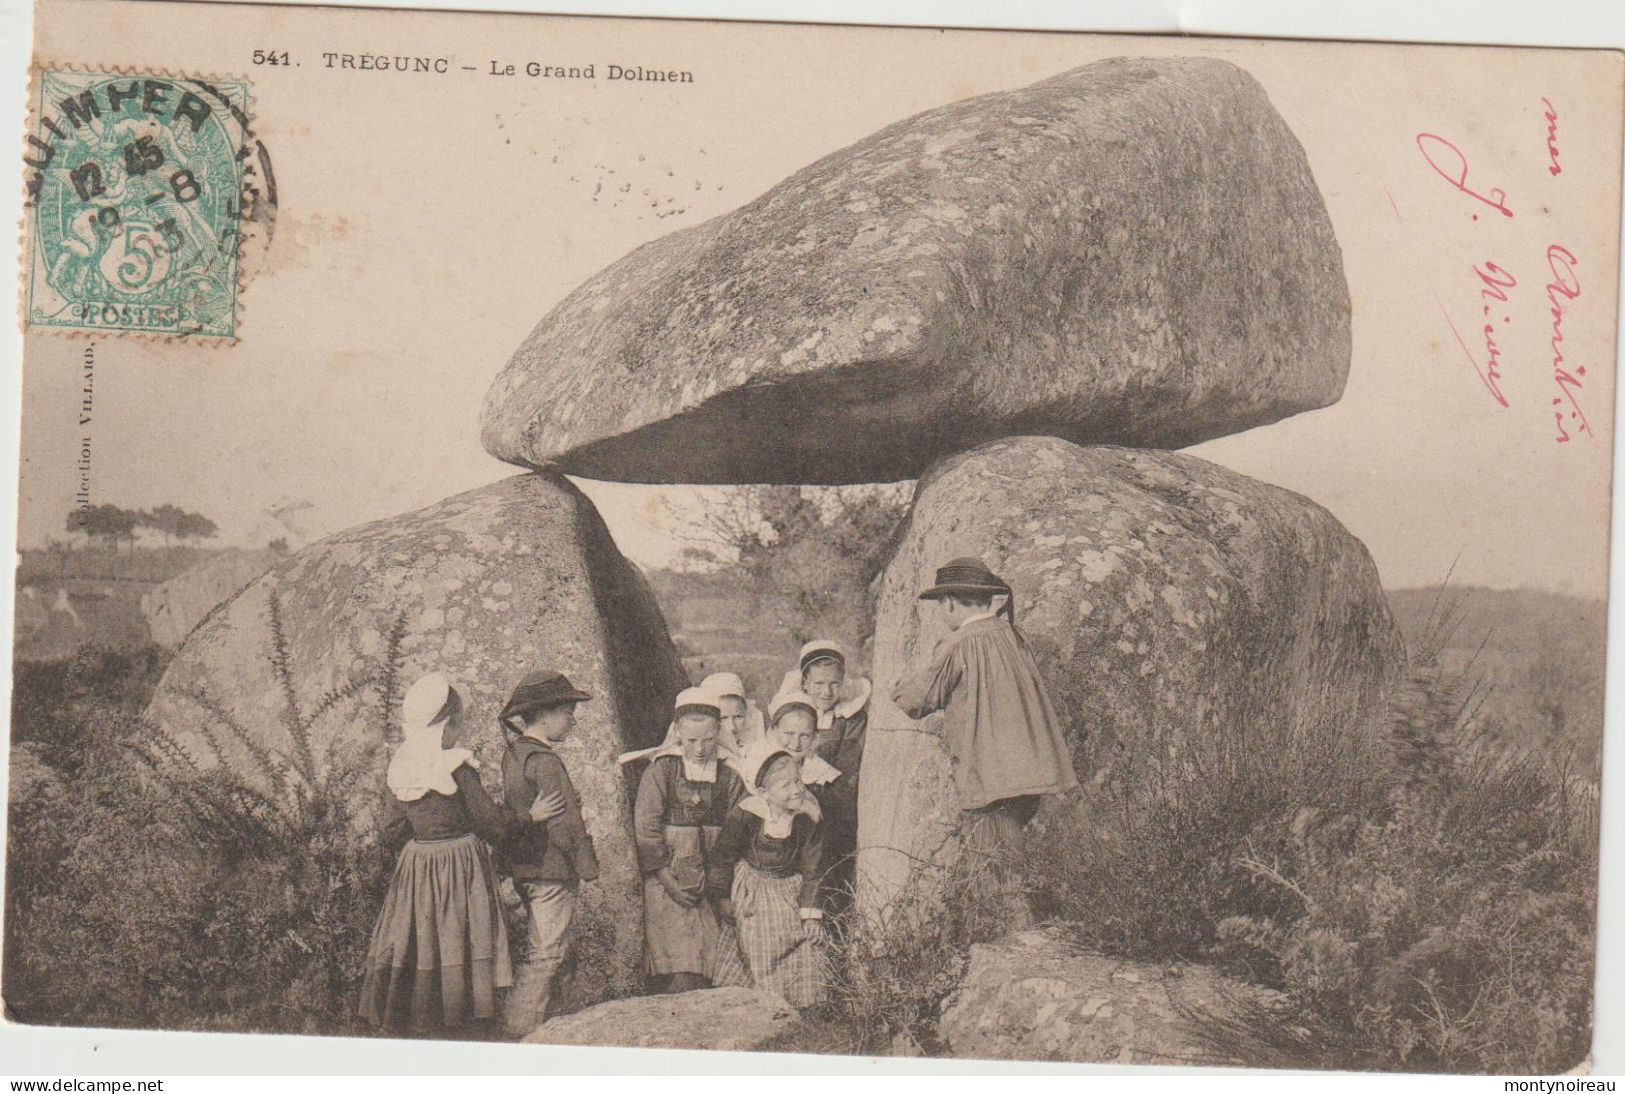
x,y
142,191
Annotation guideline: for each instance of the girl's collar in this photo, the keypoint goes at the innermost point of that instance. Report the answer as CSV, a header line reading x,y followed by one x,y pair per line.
x,y
852,704
757,806
855,697
816,771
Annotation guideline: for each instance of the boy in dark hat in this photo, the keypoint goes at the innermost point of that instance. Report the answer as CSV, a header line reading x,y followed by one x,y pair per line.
x,y
549,864
1004,741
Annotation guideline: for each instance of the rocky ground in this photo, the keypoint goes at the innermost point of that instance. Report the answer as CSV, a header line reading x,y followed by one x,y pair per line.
x,y
1029,996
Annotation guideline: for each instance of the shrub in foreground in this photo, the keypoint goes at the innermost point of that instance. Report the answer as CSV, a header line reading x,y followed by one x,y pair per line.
x,y
1424,899
150,890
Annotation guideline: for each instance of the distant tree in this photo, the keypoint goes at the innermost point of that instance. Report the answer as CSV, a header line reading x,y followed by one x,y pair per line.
x,y
77,524
695,560
122,524
195,526
807,554
113,524
166,520
107,522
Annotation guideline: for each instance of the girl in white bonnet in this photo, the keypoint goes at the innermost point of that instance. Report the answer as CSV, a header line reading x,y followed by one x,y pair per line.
x,y
439,952
742,724
683,798
840,707
763,874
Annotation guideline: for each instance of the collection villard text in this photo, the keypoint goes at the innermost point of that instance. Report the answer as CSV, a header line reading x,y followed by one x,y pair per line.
x,y
440,66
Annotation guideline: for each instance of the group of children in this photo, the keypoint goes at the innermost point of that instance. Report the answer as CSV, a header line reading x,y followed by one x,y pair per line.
x,y
745,822
744,828
440,951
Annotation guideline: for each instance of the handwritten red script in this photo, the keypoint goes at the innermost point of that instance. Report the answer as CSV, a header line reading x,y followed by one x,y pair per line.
x,y
1555,167
1560,290
1496,285
1454,170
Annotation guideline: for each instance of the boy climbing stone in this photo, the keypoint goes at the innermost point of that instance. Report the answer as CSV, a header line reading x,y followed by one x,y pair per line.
x,y
1005,747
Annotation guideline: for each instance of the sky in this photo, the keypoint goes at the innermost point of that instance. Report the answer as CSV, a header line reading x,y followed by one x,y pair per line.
x,y
427,223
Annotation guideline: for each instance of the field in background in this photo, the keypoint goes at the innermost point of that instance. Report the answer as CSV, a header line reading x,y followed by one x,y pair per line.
x,y
1538,659
68,599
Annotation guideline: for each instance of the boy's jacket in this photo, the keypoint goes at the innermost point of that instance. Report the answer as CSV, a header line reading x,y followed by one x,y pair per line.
x,y
560,850
1003,738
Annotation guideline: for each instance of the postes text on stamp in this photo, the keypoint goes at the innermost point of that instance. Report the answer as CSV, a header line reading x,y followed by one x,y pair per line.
x,y
140,188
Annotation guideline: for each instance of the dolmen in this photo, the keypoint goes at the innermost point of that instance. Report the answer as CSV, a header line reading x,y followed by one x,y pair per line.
x,y
1025,301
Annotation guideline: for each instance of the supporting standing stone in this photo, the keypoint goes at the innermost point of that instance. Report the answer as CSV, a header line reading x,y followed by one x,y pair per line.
x,y
1165,599
483,587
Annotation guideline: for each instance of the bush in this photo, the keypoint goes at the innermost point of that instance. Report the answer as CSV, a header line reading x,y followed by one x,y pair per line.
x,y
1424,898
70,708
1458,936
151,891
1149,862
98,914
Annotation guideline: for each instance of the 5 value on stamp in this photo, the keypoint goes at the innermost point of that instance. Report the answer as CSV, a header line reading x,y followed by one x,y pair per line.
x,y
140,190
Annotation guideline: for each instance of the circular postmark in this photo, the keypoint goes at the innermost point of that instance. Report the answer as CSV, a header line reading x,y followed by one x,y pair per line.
x,y
151,200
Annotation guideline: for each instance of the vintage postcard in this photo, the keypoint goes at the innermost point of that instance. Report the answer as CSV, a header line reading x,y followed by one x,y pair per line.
x,y
866,541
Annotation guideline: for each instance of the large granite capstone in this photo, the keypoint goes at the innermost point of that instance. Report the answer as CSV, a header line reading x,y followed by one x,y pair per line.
x,y
1133,252
1166,600
483,586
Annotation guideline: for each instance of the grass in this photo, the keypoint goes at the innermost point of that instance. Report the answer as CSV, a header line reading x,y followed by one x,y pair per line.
x,y
164,890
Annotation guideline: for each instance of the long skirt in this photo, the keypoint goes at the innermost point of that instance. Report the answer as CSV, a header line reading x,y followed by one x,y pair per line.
x,y
781,959
692,940
440,949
